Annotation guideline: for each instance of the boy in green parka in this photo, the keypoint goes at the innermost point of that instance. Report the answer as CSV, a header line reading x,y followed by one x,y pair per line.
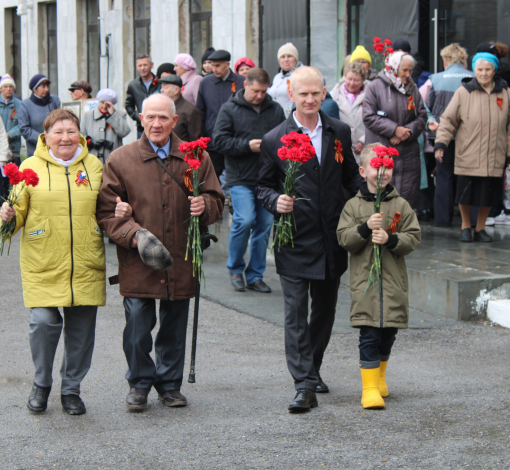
x,y
378,316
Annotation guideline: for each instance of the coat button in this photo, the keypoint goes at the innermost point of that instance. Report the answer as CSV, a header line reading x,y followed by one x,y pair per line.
x,y
164,183
315,167
123,233
166,208
162,281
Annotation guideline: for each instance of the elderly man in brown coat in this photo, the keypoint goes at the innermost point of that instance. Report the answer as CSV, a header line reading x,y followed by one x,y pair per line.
x,y
137,193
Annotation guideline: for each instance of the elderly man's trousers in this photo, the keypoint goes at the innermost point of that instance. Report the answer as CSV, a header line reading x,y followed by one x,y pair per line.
x,y
170,345
306,342
79,324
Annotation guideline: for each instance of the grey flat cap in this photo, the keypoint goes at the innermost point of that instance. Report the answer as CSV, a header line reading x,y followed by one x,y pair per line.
x,y
152,251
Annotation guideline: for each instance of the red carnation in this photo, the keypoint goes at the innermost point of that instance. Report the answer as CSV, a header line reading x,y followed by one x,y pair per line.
x,y
389,163
376,162
388,42
377,39
380,151
10,169
392,152
283,153
389,50
30,177
192,162
379,48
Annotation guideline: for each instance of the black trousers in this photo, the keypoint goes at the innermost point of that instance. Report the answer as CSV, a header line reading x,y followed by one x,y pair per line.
x,y
375,345
444,197
218,161
170,344
305,342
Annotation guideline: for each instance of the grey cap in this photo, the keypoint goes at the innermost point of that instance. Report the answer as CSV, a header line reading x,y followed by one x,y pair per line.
x,y
172,80
152,251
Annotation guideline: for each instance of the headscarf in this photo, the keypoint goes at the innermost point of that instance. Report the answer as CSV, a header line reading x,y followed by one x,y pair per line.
x,y
393,62
488,57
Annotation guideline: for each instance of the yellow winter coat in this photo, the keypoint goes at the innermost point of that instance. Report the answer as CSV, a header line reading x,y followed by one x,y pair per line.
x,y
62,250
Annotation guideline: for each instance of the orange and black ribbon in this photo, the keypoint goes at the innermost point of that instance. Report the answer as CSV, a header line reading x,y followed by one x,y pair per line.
x,y
396,220
500,102
410,103
288,84
338,152
14,111
233,88
187,179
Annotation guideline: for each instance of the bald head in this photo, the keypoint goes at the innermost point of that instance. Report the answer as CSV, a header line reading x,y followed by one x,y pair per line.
x,y
158,118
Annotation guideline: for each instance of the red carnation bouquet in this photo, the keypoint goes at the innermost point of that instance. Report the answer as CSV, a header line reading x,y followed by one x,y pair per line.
x,y
194,156
29,178
383,160
382,48
298,150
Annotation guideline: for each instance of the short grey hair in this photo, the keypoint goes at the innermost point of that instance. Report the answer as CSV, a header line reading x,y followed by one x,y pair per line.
x,y
408,57
174,111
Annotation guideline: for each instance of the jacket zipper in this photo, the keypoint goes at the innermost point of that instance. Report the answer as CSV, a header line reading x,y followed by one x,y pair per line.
x,y
489,143
381,301
71,224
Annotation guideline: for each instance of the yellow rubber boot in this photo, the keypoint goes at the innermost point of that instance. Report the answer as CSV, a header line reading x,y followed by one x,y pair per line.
x,y
383,387
371,397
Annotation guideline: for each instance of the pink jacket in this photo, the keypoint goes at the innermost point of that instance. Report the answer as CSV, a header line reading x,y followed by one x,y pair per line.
x,y
190,82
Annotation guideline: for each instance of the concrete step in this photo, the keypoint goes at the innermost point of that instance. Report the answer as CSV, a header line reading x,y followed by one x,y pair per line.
x,y
498,311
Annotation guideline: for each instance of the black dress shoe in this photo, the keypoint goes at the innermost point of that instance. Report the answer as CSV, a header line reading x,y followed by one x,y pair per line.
x,y
173,398
136,399
482,236
259,286
237,282
465,235
303,401
73,404
38,399
322,387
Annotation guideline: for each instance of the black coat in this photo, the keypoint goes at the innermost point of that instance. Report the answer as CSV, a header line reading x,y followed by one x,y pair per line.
x,y
315,243
237,124
213,92
135,95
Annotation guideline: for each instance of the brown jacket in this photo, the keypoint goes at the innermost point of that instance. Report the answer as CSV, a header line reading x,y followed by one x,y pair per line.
x,y
189,124
482,124
160,206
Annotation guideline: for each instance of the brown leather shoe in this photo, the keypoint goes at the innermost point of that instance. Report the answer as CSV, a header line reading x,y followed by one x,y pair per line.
x,y
136,399
173,398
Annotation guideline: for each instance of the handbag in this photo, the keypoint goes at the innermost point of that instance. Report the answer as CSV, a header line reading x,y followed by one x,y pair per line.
x,y
204,229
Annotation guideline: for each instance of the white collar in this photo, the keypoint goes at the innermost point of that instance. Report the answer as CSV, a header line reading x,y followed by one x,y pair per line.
x,y
319,122
67,163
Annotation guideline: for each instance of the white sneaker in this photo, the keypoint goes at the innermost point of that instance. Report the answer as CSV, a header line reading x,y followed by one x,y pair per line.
x,y
501,219
490,221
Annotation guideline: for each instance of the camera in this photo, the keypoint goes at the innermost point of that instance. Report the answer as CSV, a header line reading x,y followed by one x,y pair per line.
x,y
99,144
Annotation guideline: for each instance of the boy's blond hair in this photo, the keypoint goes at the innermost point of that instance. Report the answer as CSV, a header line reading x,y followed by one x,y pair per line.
x,y
367,154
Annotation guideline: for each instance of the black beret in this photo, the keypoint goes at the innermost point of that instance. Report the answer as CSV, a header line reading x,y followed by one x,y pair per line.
x,y
220,56
172,79
402,45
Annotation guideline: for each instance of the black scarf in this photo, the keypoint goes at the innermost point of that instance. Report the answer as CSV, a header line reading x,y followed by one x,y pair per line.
x,y
40,101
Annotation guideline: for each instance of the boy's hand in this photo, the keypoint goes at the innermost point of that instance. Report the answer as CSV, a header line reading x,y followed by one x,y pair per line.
x,y
380,236
375,221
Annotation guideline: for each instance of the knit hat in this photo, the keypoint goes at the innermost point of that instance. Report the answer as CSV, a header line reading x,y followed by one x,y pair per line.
x,y
7,80
37,80
185,61
243,61
488,57
402,45
167,67
289,49
107,94
361,53
207,53
152,251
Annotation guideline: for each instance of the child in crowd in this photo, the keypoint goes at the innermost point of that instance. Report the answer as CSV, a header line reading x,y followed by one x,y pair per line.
x,y
378,316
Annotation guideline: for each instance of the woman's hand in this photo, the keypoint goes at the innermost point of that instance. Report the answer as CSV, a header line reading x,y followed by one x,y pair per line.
x,y
7,213
197,205
439,153
395,141
122,209
402,133
380,236
432,126
358,148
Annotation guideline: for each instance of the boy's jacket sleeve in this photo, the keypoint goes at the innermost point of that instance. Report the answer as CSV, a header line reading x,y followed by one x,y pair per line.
x,y
409,233
347,230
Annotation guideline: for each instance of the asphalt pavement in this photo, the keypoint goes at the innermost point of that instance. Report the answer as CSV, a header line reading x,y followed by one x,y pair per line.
x,y
449,404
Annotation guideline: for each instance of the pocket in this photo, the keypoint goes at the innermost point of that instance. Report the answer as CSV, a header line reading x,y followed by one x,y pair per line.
x,y
39,248
94,257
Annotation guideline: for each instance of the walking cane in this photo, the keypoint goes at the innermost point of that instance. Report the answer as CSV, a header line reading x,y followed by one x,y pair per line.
x,y
191,378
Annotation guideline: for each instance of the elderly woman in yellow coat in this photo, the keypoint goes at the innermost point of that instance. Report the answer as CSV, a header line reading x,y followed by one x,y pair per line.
x,y
62,257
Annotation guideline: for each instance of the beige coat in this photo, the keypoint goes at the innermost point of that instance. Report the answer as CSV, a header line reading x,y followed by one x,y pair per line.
x,y
482,124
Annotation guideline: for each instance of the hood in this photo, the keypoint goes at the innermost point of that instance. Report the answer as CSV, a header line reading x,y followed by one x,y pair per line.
x,y
43,151
409,87
471,84
389,192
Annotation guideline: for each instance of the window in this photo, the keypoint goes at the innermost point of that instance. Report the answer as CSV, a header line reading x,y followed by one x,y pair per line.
x,y
142,27
201,27
356,24
12,29
52,62
93,45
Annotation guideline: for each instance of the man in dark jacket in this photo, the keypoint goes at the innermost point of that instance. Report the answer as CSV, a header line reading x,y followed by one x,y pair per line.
x,y
215,90
139,89
316,261
241,124
189,124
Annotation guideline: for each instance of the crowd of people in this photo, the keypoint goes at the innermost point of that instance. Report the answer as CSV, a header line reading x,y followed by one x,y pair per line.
x,y
458,117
